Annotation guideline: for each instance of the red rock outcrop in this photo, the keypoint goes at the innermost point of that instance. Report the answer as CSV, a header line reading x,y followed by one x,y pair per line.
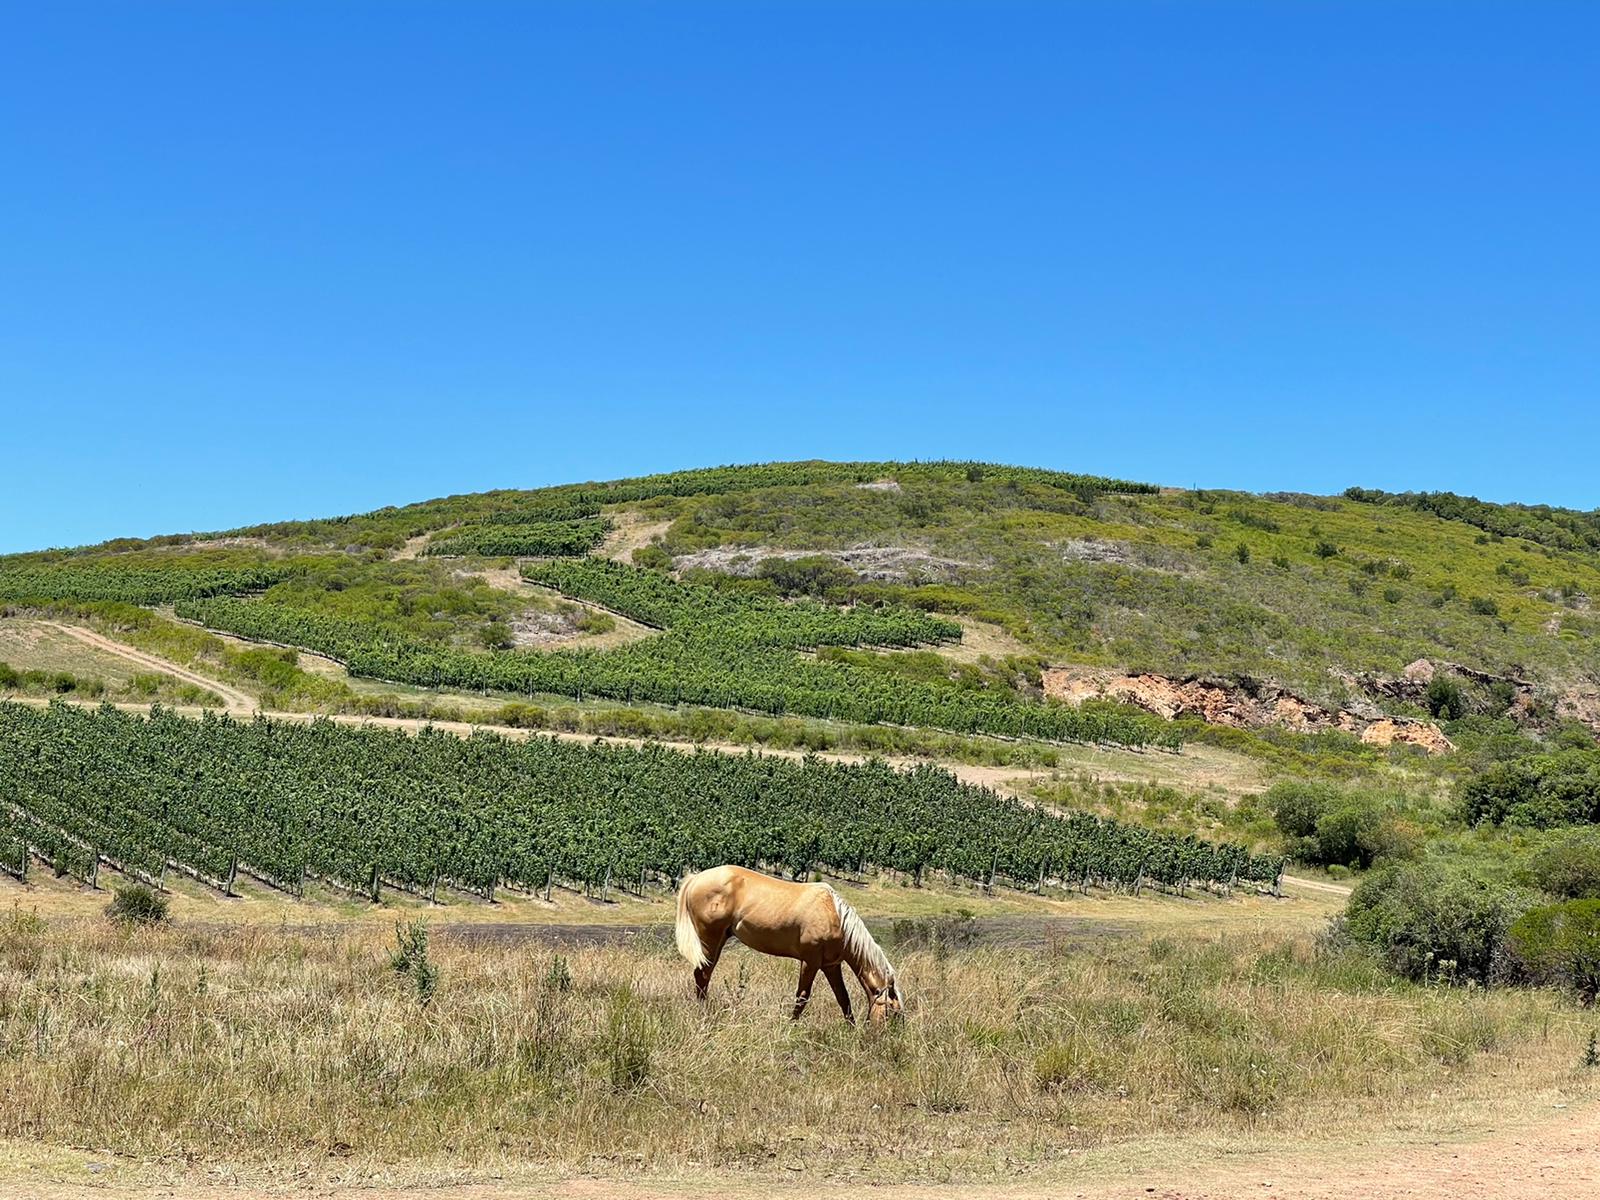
x,y
1243,704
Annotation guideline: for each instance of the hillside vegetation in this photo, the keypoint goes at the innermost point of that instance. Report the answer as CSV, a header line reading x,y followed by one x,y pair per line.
x,y
1314,593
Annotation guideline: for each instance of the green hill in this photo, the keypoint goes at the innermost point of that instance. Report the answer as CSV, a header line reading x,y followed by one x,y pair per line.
x,y
800,588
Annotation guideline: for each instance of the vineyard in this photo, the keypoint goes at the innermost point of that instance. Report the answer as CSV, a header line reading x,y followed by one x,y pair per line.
x,y
717,648
538,539
362,807
153,579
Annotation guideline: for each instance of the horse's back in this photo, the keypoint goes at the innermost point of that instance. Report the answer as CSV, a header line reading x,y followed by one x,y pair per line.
x,y
797,920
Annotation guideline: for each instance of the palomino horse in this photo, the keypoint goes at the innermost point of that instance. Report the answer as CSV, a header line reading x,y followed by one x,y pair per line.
x,y
808,921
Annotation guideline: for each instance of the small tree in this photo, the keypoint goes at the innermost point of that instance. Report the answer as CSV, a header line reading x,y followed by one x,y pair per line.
x,y
1445,700
1242,552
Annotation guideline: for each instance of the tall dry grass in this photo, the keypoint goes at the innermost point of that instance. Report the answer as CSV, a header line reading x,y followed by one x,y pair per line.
x,y
258,1045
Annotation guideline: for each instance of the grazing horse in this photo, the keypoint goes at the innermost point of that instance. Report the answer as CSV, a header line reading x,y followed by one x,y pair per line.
x,y
807,921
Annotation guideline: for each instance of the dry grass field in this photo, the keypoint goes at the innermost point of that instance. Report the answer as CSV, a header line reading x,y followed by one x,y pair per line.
x,y
274,1043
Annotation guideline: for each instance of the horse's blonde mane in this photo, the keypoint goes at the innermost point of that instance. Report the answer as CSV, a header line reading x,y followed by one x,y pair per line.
x,y
859,943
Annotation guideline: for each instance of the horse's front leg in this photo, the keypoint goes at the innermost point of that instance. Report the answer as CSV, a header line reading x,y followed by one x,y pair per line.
x,y
841,993
808,972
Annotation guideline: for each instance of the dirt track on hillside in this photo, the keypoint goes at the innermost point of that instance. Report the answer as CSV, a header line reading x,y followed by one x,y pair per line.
x,y
235,700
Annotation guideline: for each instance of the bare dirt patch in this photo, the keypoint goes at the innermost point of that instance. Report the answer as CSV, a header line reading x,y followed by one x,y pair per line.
x,y
412,548
880,564
629,532
226,543
1553,1154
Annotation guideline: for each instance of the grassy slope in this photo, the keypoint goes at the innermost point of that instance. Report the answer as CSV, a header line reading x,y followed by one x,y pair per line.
x,y
1146,582
1128,581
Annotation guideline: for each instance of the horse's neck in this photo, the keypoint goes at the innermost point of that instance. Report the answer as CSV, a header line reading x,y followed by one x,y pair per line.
x,y
860,958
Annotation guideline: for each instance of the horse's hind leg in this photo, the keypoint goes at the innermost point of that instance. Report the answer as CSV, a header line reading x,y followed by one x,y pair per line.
x,y
702,975
835,975
808,973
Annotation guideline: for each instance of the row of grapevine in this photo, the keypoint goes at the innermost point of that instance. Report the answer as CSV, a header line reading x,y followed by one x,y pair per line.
x,y
180,578
356,805
718,649
542,539
537,512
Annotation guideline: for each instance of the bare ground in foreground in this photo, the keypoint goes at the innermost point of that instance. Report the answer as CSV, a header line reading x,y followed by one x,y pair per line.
x,y
1554,1155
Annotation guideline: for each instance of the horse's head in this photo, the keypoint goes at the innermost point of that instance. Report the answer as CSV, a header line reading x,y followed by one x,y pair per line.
x,y
886,1002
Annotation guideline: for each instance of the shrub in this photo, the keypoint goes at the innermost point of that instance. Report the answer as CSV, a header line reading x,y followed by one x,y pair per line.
x,y
137,904
1431,921
1573,735
1444,699
496,635
595,621
1297,805
1568,865
1242,552
1484,606
1350,833
652,558
1537,790
410,960
1559,944
1325,549
1330,826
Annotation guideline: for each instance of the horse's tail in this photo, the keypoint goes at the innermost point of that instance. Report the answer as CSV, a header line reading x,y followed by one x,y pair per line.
x,y
688,936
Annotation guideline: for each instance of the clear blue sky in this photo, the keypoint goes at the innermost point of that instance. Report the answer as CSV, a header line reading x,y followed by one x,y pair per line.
x,y
260,261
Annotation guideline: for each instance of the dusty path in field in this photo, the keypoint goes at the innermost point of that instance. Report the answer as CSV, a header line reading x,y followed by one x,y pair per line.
x,y
235,700
1316,885
1556,1158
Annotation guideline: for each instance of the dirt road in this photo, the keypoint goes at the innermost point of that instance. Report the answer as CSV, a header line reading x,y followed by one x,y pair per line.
x,y
235,700
1556,1158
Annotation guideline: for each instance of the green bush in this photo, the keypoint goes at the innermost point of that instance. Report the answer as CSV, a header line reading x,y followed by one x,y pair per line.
x,y
1328,825
410,959
1445,700
1297,805
1568,865
1537,790
137,904
1430,921
1559,944
652,558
